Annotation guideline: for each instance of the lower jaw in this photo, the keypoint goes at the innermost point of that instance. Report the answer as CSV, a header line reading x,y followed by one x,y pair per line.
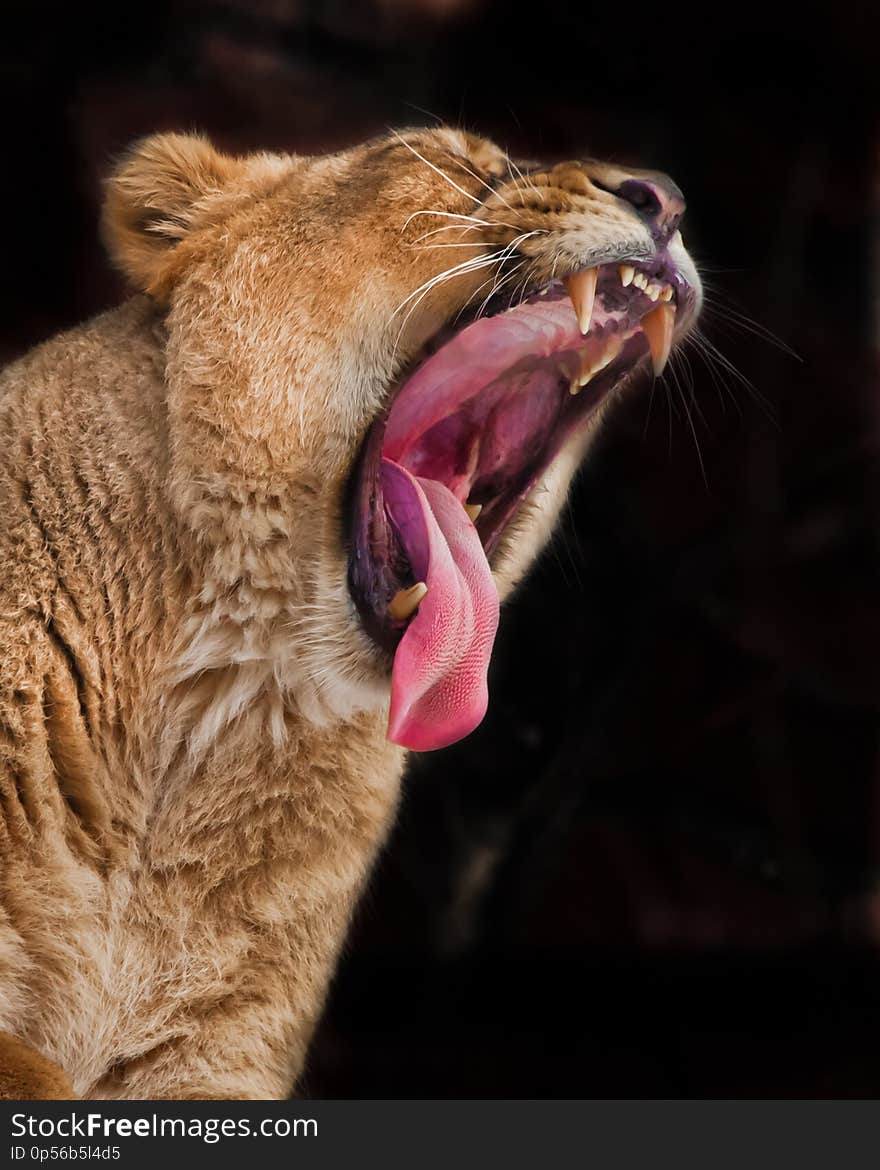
x,y
377,564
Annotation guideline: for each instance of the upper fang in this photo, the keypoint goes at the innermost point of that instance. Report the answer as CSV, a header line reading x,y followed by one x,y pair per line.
x,y
658,327
582,290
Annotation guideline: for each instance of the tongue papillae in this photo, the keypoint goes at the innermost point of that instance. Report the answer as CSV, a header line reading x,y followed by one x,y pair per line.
x,y
438,682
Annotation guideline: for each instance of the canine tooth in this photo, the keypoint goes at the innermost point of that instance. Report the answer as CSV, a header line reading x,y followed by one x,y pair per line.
x,y
597,365
605,358
612,349
587,370
582,290
627,272
405,602
473,511
666,293
658,326
640,280
583,379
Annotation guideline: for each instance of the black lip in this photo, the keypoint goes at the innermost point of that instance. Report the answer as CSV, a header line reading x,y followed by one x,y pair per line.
x,y
377,565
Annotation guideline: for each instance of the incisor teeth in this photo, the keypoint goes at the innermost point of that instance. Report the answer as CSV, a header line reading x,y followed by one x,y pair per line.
x,y
473,511
653,291
658,326
640,280
405,602
627,272
666,293
582,290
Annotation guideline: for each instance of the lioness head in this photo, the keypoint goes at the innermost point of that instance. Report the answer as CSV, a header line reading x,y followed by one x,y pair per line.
x,y
384,366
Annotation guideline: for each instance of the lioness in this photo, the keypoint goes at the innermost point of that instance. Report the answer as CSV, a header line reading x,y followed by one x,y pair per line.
x,y
255,527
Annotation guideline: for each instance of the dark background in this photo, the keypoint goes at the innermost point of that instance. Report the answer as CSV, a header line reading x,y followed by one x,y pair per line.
x,y
653,869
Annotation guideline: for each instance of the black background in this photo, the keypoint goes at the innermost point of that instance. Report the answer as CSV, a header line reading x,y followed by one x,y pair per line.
x,y
652,871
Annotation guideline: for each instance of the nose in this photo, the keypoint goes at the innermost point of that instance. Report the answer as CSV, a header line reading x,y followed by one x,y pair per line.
x,y
655,198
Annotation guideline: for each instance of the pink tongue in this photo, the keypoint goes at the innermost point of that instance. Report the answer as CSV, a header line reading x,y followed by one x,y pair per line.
x,y
438,682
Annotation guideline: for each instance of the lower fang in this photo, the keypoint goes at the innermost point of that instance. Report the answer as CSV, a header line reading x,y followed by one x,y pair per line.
x,y
601,362
405,602
612,349
473,511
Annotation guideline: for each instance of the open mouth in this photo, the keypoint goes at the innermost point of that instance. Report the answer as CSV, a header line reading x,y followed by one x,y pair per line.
x,y
466,436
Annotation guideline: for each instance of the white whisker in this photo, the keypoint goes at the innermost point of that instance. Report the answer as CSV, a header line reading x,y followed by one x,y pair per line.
x,y
436,169
521,177
713,357
727,314
676,383
449,227
455,227
445,215
445,275
473,264
488,186
497,286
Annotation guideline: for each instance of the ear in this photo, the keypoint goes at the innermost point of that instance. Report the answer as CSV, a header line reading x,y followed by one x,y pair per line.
x,y
166,187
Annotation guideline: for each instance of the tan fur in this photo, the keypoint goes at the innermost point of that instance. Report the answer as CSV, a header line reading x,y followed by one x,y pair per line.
x,y
194,775
26,1075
